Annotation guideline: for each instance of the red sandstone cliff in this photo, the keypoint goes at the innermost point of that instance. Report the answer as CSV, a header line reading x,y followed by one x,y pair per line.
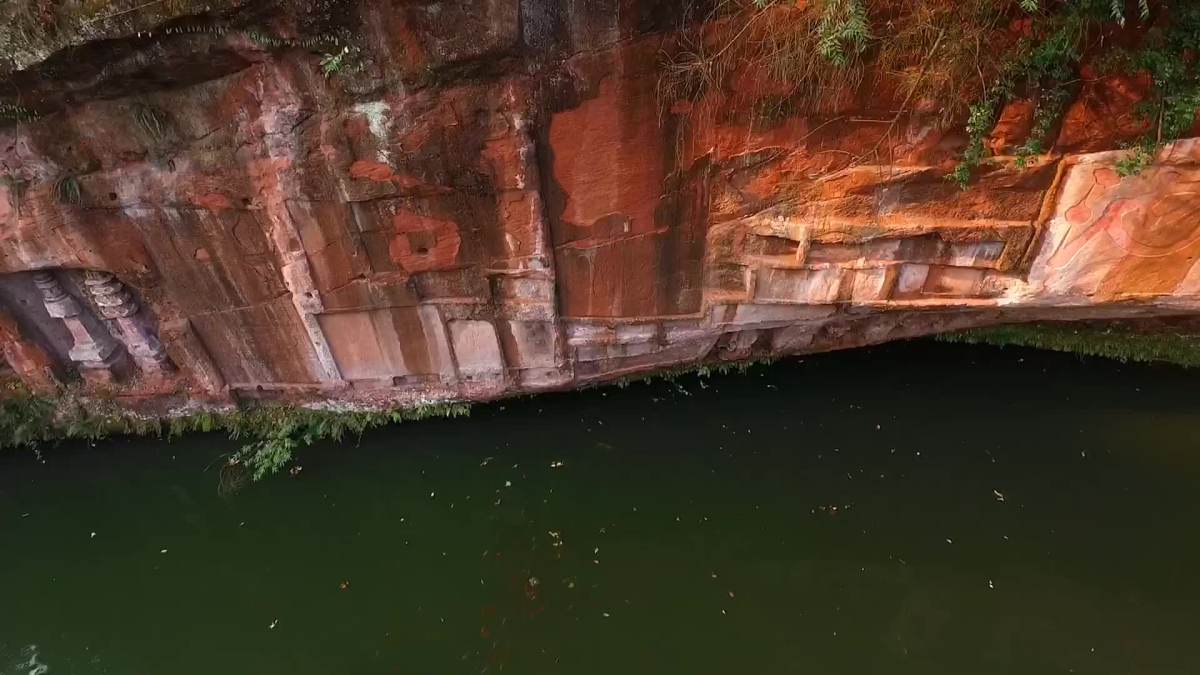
x,y
490,196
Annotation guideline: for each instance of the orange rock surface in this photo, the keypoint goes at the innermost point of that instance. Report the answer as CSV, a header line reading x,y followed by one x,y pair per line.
x,y
498,201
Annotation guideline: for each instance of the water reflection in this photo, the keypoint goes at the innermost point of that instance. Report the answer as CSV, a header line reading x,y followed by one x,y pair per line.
x,y
917,509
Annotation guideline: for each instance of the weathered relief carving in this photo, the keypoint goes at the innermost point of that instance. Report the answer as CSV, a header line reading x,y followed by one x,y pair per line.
x,y
1112,238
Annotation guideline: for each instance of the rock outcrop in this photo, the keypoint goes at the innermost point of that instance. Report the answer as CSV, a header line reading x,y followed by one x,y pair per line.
x,y
469,199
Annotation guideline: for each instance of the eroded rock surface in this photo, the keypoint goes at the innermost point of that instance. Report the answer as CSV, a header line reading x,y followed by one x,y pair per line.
x,y
491,197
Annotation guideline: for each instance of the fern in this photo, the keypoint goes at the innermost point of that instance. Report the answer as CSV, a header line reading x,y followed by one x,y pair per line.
x,y
11,112
1116,10
843,31
1049,110
979,123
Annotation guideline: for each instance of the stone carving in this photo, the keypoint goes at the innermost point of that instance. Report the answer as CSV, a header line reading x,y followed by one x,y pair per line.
x,y
114,300
116,304
1117,238
99,357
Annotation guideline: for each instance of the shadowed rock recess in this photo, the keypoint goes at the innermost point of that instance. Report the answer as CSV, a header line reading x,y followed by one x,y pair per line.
x,y
389,203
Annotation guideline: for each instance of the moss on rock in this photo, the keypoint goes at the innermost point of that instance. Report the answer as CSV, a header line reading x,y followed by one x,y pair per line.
x,y
268,435
1121,341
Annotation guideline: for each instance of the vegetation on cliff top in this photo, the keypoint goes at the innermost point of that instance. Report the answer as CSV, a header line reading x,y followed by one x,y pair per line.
x,y
269,435
968,57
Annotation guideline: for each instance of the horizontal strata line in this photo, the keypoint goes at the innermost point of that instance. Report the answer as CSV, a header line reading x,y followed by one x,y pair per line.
x,y
877,227
633,320
769,263
593,243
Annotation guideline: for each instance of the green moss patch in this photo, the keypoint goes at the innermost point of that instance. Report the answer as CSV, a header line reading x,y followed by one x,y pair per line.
x,y
1112,342
268,435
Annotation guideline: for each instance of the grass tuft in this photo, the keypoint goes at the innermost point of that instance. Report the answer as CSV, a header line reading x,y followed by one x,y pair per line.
x,y
269,435
67,191
1110,342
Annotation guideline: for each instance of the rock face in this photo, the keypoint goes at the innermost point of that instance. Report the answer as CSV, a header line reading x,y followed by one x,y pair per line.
x,y
481,198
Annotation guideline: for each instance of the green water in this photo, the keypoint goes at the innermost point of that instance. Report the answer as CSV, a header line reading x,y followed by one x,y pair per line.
x,y
918,509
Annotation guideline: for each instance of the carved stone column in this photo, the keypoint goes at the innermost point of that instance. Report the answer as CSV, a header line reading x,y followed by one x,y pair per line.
x,y
116,304
99,357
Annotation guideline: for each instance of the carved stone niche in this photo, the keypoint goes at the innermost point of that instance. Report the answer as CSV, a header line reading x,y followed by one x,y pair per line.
x,y
99,358
128,322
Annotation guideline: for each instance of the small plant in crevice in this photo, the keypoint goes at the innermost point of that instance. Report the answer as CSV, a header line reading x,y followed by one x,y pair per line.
x,y
16,187
345,60
152,122
11,112
67,191
1137,158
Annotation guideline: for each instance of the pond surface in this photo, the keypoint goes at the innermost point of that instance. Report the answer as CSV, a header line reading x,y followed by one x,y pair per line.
x,y
920,508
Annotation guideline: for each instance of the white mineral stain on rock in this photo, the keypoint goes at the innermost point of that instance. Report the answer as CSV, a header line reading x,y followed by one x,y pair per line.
x,y
377,114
